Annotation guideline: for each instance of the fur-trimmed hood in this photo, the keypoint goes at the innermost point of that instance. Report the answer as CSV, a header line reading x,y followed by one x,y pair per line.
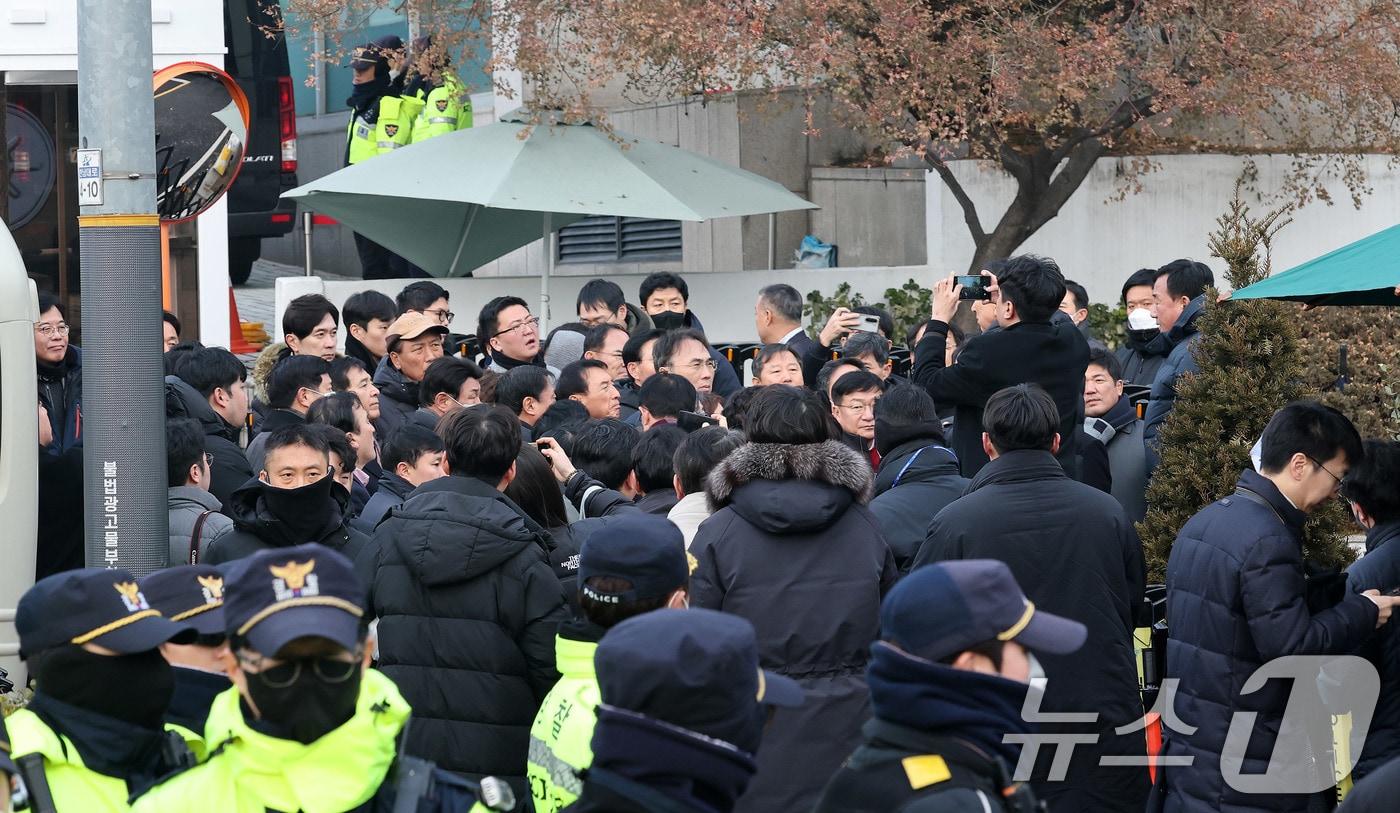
x,y
785,488
262,368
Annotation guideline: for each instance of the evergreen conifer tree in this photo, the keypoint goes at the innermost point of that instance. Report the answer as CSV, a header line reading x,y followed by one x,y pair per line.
x,y
1251,364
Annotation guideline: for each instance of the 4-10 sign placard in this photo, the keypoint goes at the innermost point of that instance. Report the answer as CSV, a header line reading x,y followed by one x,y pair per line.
x,y
89,177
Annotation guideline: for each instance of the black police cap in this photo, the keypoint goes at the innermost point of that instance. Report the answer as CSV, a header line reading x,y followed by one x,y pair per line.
x,y
193,594
93,606
697,669
276,596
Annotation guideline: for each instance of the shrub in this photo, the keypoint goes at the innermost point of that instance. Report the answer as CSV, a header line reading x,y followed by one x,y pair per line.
x,y
1365,390
1251,364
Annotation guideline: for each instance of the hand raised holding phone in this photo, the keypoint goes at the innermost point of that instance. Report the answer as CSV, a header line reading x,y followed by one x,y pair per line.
x,y
559,462
842,321
946,294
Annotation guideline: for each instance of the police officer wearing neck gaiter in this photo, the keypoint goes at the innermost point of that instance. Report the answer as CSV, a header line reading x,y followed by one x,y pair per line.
x,y
307,725
194,595
92,735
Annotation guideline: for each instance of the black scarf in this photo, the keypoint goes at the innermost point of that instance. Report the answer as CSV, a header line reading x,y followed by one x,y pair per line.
x,y
364,98
939,699
194,694
113,747
507,363
52,372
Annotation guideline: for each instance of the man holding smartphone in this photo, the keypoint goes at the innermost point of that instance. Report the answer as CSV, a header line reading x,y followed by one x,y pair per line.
x,y
1030,348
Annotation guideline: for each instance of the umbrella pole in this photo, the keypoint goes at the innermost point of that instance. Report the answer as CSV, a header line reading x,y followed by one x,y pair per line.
x,y
466,230
548,269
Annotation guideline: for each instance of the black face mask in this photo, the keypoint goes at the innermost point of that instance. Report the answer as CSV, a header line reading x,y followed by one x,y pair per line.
x,y
668,320
80,678
302,511
310,707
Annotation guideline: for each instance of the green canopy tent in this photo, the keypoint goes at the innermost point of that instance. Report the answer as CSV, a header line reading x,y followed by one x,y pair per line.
x,y
1365,272
453,203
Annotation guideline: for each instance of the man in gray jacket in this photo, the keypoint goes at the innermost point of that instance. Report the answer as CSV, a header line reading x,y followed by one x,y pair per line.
x,y
194,512
1112,420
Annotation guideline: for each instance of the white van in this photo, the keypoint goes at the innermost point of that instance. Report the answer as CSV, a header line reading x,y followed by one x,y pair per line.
x,y
19,445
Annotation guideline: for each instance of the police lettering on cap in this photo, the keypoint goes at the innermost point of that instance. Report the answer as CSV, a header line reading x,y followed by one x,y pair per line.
x,y
940,610
277,596
645,549
193,594
697,669
96,606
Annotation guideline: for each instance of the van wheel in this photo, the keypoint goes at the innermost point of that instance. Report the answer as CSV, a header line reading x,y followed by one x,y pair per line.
x,y
242,253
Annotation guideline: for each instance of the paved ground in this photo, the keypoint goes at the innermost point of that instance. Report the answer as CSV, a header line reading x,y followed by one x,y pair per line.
x,y
255,297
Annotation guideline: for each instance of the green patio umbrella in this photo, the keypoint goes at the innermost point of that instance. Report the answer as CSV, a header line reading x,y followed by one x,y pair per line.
x,y
1362,273
455,202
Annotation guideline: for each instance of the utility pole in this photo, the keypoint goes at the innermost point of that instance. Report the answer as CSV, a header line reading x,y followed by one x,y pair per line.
x,y
123,406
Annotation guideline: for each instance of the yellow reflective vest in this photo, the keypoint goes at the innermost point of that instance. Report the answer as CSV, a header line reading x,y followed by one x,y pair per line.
x,y
250,772
73,786
392,129
561,739
447,108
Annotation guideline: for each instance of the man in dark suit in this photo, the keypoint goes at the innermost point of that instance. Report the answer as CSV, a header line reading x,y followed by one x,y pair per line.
x,y
1030,348
778,317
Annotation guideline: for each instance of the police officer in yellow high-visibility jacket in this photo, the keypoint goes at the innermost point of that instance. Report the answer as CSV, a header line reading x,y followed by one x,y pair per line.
x,y
92,734
7,769
194,595
638,566
447,107
307,725
381,121
447,104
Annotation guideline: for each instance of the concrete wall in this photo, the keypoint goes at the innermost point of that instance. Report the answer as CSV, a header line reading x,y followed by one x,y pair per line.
x,y
1099,243
874,216
723,300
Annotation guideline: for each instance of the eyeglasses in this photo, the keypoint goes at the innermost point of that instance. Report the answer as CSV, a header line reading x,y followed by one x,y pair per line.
x,y
532,322
441,314
208,460
48,328
277,674
1340,482
857,408
695,365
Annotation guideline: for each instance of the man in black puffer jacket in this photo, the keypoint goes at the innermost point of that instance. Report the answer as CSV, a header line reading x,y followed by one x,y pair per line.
x,y
1375,502
468,605
294,501
1237,600
918,473
1075,553
792,548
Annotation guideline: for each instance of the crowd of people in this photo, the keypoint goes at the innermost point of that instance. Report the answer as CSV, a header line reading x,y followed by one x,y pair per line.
x,y
594,571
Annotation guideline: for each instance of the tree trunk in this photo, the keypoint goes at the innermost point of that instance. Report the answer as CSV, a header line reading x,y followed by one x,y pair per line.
x,y
1040,194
